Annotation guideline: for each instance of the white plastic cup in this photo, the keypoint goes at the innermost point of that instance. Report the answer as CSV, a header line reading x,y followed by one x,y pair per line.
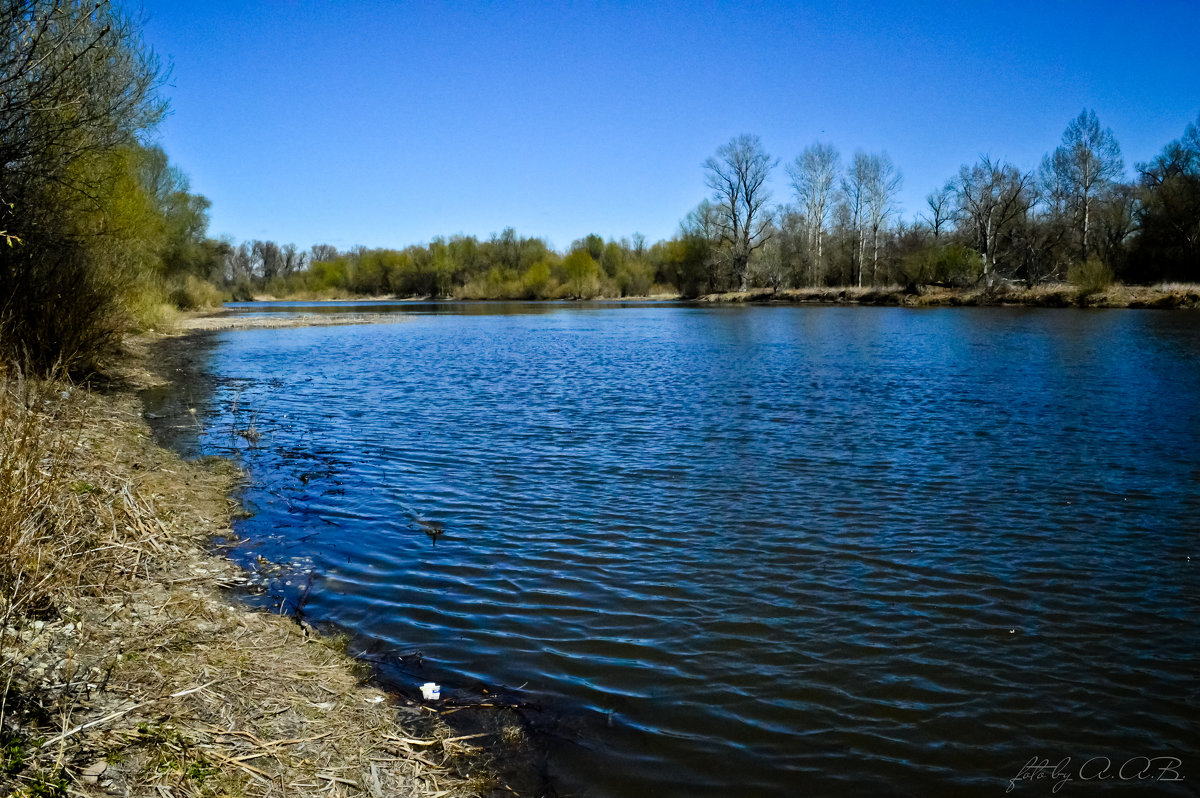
x,y
431,691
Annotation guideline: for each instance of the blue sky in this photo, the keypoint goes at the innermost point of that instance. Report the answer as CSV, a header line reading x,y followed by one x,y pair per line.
x,y
388,123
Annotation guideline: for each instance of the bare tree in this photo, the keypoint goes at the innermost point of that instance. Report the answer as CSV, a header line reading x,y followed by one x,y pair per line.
x,y
239,263
322,253
992,197
883,185
854,195
702,221
1082,170
638,245
941,209
268,257
814,178
293,260
737,175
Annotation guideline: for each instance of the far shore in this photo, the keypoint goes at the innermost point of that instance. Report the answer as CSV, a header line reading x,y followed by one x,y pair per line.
x,y
1054,295
1049,295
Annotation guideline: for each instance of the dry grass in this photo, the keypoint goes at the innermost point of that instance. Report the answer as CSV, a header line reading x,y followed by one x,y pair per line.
x,y
1183,288
125,667
1060,295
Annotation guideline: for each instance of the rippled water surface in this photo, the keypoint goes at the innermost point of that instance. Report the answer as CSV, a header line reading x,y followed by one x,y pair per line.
x,y
752,551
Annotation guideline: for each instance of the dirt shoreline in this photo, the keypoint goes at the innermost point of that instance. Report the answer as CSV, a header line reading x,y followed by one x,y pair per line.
x,y
145,675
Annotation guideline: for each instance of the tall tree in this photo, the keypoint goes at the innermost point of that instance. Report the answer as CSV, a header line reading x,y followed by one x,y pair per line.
x,y
1080,172
855,186
883,185
993,197
814,176
737,175
293,260
268,258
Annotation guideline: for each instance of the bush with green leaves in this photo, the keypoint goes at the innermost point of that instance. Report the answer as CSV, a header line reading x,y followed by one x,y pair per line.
x,y
1090,276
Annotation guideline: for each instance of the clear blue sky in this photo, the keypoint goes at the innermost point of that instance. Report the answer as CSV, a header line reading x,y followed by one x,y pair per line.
x,y
387,123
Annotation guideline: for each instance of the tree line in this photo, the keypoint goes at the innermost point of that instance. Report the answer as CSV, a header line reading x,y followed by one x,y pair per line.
x,y
503,266
1073,217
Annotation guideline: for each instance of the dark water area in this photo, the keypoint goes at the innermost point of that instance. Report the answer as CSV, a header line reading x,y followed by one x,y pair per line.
x,y
763,551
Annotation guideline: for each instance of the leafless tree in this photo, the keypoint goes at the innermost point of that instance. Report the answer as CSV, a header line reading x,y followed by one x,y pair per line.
x,y
940,204
638,245
855,185
293,260
883,184
268,258
993,197
814,178
702,222
321,253
1117,221
737,175
239,263
1081,171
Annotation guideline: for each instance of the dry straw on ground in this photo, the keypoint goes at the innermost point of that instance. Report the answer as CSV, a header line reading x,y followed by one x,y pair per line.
x,y
126,668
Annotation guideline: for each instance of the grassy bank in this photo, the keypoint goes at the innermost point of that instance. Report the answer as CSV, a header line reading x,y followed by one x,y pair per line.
x,y
126,663
1058,295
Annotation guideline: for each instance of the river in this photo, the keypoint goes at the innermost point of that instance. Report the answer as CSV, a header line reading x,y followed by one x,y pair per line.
x,y
753,551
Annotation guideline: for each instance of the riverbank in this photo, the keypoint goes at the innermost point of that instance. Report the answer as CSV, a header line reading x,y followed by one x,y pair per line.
x,y
129,666
1057,295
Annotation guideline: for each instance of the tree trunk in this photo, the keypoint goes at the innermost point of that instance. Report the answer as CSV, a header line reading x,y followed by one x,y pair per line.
x,y
862,252
874,256
1087,206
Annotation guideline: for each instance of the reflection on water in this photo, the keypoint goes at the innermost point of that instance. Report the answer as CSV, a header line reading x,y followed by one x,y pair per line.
x,y
749,551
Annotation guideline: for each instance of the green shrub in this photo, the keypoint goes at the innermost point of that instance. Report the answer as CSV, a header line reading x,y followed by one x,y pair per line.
x,y
951,264
635,279
243,291
191,293
1090,276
